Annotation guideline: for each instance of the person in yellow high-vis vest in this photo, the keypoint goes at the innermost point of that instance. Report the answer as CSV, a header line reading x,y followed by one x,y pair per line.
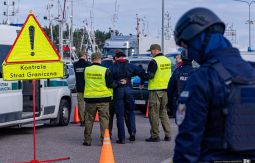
x,y
97,95
158,74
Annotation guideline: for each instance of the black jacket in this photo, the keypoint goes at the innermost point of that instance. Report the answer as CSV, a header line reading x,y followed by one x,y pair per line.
x,y
79,67
124,70
176,85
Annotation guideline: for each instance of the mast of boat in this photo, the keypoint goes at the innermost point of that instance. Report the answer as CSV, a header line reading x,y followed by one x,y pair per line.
x,y
17,11
7,13
60,29
88,31
83,35
115,18
71,31
49,18
168,27
138,32
91,33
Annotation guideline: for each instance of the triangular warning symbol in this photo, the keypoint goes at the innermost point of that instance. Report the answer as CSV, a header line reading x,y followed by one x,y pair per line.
x,y
32,45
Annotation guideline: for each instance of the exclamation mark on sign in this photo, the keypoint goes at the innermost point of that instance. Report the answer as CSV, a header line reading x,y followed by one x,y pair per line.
x,y
32,38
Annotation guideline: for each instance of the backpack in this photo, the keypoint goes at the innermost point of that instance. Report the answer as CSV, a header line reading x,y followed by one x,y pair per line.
x,y
239,111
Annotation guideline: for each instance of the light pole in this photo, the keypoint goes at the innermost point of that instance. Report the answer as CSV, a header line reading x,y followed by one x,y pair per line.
x,y
249,4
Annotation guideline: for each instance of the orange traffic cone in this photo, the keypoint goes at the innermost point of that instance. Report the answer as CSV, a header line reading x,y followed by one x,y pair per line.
x,y
76,118
97,118
106,152
147,110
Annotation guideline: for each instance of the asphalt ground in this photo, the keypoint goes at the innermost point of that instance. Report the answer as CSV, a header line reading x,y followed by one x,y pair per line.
x,y
57,142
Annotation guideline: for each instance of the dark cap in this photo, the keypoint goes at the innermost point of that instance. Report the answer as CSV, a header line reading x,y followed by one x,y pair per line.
x,y
154,47
96,55
119,53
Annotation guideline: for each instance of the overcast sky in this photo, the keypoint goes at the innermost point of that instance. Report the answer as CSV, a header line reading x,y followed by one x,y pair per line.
x,y
229,11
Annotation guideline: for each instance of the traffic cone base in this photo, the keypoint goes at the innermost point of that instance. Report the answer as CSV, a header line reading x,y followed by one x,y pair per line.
x,y
76,118
106,152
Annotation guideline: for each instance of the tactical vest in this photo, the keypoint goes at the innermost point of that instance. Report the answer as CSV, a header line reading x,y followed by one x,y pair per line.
x,y
95,86
162,75
238,113
181,81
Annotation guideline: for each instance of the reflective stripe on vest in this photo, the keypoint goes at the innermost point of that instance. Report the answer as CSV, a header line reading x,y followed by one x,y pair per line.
x,y
162,75
95,85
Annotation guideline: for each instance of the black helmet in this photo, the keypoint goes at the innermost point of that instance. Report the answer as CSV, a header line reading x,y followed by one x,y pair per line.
x,y
195,21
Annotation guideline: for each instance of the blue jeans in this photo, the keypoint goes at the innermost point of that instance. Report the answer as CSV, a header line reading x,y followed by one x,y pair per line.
x,y
124,105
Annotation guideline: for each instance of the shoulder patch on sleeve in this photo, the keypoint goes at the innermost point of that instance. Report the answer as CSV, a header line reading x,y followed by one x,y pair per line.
x,y
184,94
180,114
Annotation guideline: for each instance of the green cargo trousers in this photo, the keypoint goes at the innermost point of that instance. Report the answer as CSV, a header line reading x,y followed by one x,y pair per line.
x,y
157,110
81,106
103,113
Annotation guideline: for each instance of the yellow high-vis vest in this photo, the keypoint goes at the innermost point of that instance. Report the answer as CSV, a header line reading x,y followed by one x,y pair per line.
x,y
95,85
162,75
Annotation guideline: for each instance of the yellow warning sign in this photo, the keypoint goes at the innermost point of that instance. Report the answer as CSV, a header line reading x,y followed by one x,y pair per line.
x,y
32,45
29,71
32,55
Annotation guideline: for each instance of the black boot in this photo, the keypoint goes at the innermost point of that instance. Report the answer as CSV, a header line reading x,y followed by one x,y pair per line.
x,y
120,141
132,137
167,138
156,139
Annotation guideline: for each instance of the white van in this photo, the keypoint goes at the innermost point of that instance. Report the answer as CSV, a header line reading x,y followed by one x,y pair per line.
x,y
53,97
248,56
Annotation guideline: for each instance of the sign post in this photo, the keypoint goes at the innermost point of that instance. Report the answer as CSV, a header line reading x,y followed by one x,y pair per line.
x,y
32,57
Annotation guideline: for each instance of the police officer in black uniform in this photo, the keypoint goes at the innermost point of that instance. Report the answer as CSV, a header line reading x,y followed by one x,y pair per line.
x,y
178,80
209,130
